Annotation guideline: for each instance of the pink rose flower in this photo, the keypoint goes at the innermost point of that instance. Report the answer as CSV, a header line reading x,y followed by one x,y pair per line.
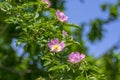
x,y
55,45
47,2
75,57
61,16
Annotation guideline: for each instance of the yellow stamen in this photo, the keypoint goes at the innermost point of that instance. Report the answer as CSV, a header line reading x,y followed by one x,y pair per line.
x,y
56,48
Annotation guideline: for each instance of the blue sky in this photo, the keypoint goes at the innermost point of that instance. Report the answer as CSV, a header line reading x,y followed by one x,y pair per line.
x,y
90,10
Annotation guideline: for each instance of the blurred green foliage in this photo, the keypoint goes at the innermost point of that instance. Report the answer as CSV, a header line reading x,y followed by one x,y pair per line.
x,y
30,23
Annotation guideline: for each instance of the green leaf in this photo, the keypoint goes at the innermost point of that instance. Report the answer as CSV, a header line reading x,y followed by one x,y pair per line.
x,y
47,63
79,78
103,6
57,67
114,11
72,25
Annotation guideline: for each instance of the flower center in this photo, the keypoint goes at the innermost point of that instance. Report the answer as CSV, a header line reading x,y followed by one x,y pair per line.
x,y
56,48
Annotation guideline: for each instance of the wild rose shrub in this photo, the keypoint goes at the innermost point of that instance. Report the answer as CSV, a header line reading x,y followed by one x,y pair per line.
x,y
46,34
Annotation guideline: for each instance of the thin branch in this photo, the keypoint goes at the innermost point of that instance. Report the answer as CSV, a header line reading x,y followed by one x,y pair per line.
x,y
5,27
